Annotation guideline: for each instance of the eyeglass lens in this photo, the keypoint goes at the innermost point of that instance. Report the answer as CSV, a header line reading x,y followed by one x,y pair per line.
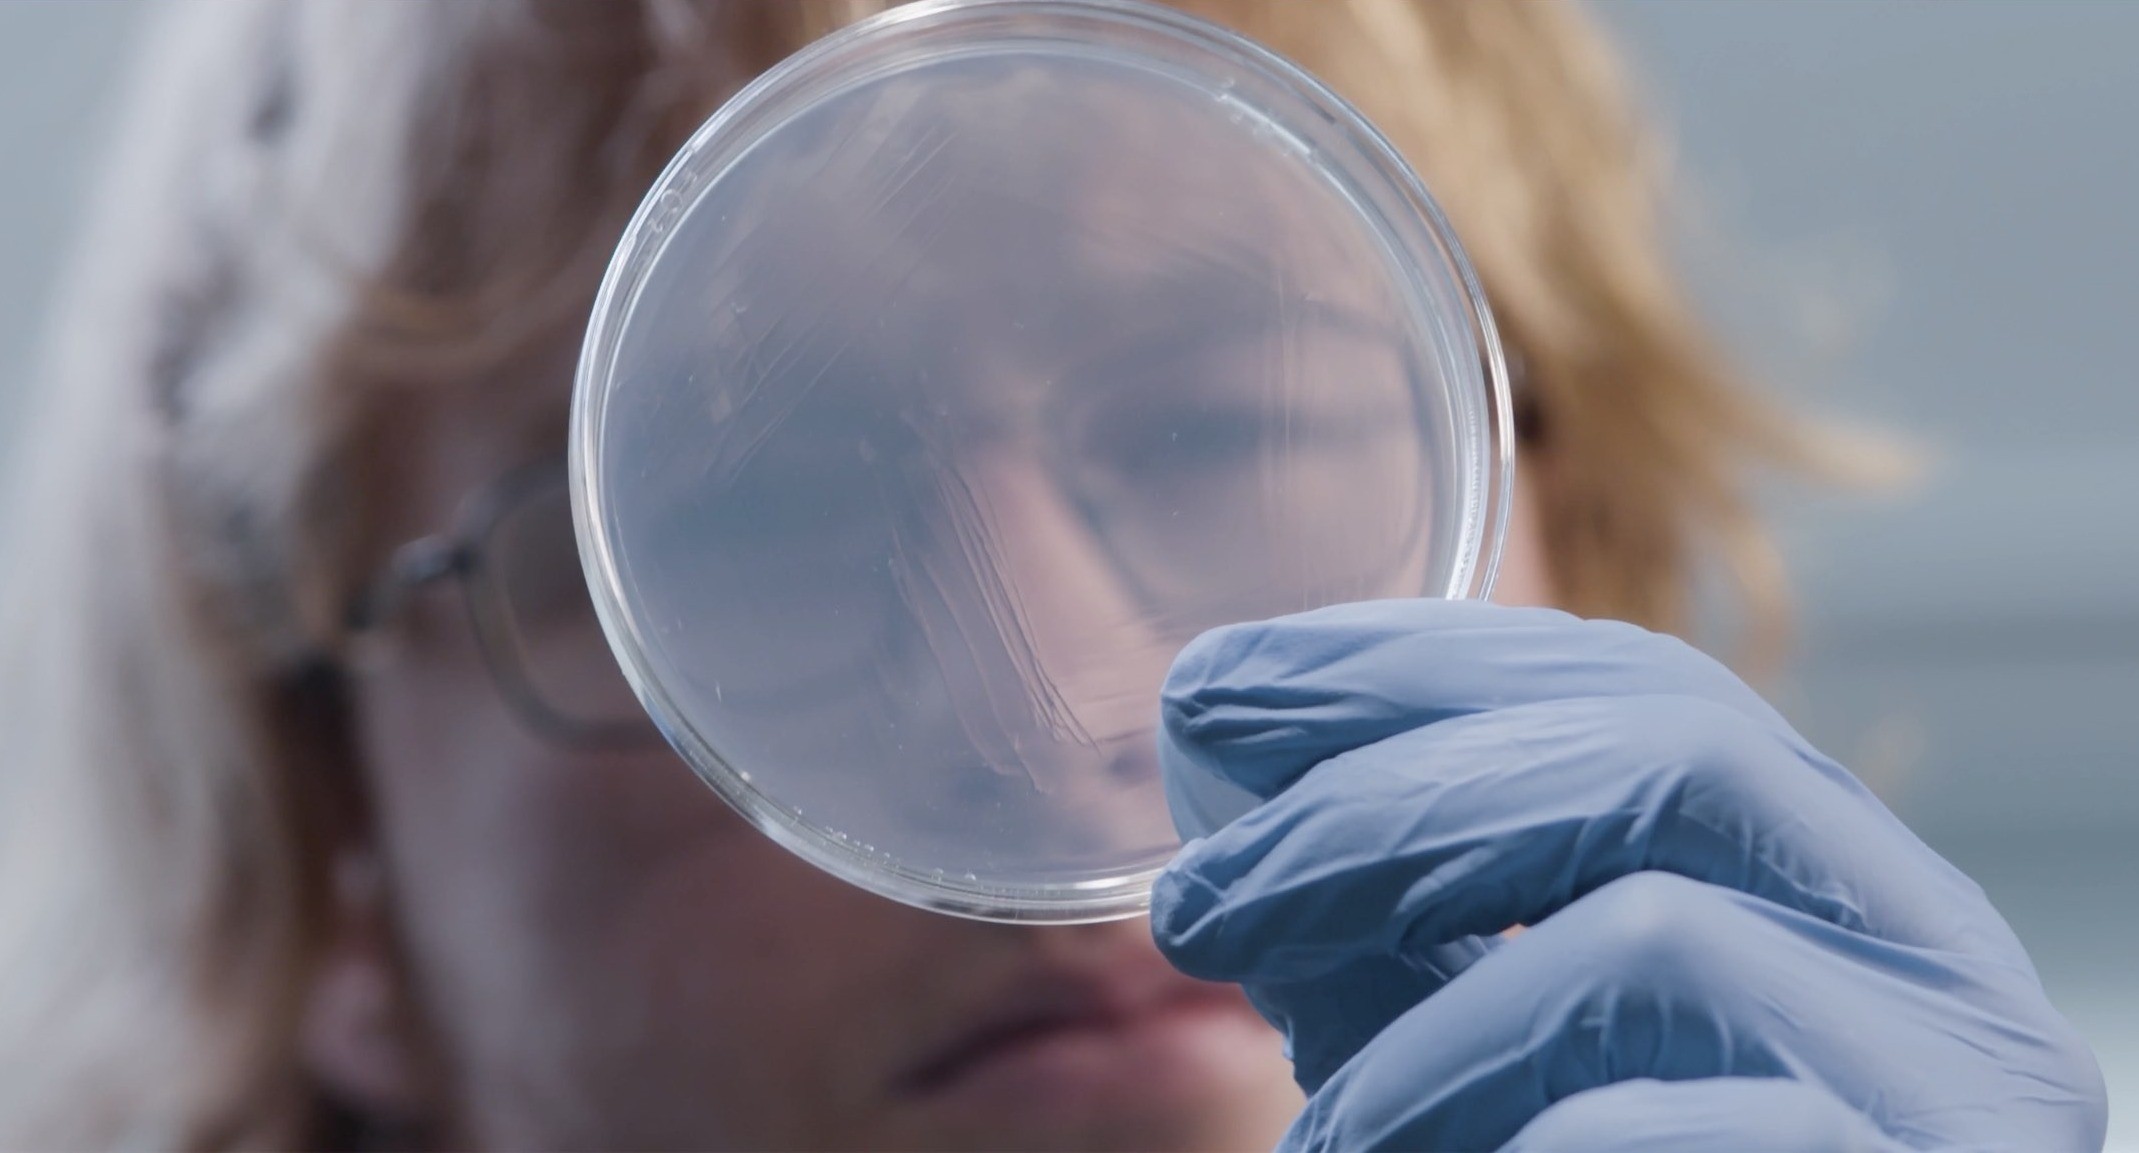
x,y
542,620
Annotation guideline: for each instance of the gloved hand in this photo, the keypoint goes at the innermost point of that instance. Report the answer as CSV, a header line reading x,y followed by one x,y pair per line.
x,y
1733,945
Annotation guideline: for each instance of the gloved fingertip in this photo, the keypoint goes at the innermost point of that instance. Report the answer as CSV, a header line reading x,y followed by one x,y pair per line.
x,y
1257,704
1198,662
1182,905
1185,699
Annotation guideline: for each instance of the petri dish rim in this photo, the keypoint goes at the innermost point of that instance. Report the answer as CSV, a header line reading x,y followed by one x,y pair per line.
x,y
1368,172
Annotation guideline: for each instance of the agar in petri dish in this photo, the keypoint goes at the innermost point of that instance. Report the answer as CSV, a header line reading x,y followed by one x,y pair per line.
x,y
960,371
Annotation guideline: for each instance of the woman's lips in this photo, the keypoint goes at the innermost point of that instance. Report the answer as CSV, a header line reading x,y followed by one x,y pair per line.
x,y
1075,1039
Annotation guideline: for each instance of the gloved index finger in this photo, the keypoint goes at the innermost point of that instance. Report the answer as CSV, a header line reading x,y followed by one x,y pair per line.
x,y
1259,704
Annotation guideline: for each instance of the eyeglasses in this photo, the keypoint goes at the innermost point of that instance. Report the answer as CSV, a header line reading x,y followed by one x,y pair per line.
x,y
516,560
517,564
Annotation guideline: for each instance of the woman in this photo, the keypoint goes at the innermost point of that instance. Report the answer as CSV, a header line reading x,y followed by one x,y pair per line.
x,y
274,878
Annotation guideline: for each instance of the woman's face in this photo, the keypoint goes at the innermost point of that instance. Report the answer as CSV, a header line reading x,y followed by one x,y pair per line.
x,y
595,951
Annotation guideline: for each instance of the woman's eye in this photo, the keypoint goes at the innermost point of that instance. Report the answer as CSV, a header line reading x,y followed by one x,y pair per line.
x,y
796,495
1186,445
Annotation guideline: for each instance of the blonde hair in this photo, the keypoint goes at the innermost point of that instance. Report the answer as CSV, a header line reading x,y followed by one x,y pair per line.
x,y
319,203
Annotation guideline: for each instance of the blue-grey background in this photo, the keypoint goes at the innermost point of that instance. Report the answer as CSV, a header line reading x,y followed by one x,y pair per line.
x,y
1921,217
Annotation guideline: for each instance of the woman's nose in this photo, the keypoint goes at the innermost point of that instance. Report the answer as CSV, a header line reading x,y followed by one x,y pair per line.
x,y
1061,664
1097,646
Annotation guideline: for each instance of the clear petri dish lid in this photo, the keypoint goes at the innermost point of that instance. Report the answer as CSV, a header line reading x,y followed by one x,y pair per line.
x,y
963,368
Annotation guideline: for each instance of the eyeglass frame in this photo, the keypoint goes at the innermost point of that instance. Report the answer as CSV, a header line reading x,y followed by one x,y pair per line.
x,y
462,555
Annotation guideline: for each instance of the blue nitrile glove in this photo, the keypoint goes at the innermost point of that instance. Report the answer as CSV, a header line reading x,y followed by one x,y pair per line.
x,y
1733,945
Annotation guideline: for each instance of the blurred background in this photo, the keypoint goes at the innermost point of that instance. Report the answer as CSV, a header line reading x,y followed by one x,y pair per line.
x,y
1925,219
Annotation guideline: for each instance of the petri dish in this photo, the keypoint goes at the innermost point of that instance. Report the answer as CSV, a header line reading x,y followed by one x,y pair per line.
x,y
958,372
